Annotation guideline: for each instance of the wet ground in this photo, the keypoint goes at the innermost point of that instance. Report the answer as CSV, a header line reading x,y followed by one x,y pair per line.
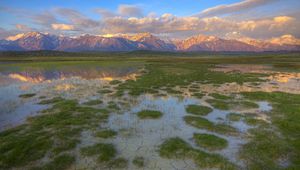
x,y
138,137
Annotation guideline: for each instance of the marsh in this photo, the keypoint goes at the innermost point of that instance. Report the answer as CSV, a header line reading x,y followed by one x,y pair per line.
x,y
150,113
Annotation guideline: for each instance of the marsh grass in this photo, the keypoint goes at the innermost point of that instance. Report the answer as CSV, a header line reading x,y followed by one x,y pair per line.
x,y
104,152
149,114
198,110
55,131
209,141
93,102
235,117
177,148
106,133
29,95
139,161
276,141
203,123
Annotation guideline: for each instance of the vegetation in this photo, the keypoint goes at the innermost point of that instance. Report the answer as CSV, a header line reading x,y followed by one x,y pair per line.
x,y
106,133
210,142
93,102
149,114
267,146
139,161
198,110
27,95
203,123
179,149
104,152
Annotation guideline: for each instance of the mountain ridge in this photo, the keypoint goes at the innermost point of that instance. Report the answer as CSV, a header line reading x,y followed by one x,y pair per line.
x,y
32,41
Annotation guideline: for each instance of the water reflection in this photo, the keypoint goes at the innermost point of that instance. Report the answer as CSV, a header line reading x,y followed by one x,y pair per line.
x,y
38,76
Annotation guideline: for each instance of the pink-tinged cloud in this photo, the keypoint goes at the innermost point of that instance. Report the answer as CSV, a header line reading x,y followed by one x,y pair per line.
x,y
63,27
231,8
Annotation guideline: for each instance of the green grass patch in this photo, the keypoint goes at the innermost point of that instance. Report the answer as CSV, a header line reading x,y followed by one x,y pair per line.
x,y
235,117
177,148
198,110
220,96
93,102
29,95
203,123
104,152
149,114
106,133
139,161
61,162
209,141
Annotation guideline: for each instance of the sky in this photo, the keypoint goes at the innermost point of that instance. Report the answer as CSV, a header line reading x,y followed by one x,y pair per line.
x,y
261,19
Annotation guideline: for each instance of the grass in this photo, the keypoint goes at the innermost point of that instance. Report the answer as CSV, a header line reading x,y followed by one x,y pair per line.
x,y
177,148
209,141
220,96
106,133
104,152
198,110
93,102
203,123
139,161
118,163
29,95
115,82
61,162
55,131
231,104
279,140
235,117
149,114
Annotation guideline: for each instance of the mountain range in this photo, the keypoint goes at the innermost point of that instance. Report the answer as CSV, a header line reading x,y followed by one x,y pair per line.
x,y
32,41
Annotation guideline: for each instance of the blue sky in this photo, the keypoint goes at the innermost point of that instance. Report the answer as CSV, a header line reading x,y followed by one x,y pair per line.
x,y
187,17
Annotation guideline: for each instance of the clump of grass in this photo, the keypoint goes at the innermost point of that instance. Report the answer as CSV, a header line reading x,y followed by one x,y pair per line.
x,y
113,106
200,122
218,104
93,102
139,161
234,117
179,149
198,110
209,141
106,133
61,162
227,105
105,91
220,96
51,101
27,95
115,82
149,114
104,152
118,163
198,95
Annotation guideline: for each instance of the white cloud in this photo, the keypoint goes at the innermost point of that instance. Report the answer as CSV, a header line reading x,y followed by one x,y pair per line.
x,y
64,27
231,8
130,11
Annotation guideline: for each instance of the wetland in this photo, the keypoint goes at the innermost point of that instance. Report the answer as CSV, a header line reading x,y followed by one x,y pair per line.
x,y
150,112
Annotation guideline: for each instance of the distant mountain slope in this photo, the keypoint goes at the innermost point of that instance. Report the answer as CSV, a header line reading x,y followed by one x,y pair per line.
x,y
32,41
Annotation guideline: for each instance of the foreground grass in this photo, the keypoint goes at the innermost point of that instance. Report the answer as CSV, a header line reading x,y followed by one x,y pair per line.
x,y
177,148
210,142
55,131
279,141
